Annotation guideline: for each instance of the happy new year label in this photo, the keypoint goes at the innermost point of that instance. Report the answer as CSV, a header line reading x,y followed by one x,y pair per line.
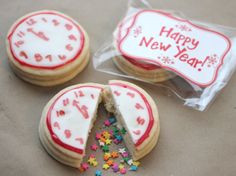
x,y
191,51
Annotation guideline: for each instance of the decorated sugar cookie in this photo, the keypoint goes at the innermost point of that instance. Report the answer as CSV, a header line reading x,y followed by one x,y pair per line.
x,y
68,118
47,48
133,67
137,112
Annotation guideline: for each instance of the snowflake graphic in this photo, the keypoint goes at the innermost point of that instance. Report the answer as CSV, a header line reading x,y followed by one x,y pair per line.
x,y
212,60
166,60
137,31
183,27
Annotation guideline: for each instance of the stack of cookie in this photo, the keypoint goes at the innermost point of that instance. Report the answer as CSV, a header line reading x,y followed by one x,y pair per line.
x,y
47,48
133,67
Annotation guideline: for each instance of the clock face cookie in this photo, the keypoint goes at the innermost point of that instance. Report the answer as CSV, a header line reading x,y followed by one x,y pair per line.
x,y
68,118
133,67
47,42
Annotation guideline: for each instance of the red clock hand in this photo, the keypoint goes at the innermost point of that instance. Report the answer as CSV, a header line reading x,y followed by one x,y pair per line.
x,y
83,110
38,34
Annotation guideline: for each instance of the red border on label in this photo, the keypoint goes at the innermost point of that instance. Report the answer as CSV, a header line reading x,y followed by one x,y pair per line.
x,y
151,118
46,67
49,125
166,67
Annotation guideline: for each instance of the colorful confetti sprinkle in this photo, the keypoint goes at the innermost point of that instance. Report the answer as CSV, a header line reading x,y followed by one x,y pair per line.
x,y
110,162
85,166
106,156
105,166
133,168
123,171
98,173
114,154
115,167
105,148
94,147
111,133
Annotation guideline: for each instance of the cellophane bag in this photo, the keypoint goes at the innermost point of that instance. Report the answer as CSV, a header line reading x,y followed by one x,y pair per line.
x,y
193,59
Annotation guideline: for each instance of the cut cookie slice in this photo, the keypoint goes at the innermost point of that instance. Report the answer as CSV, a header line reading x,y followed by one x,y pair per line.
x,y
46,46
137,112
67,120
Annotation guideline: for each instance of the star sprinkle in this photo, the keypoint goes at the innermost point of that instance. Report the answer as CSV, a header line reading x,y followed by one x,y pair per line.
x,y
95,163
123,131
112,120
133,168
110,162
136,163
125,154
126,159
108,142
94,147
115,131
114,154
98,136
123,171
81,169
121,166
130,162
105,148
102,139
122,150
106,156
84,166
105,166
101,143
107,123
91,160
98,173
115,167
106,134
118,138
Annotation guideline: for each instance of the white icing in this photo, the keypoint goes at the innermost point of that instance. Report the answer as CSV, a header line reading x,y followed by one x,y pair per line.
x,y
126,106
73,120
58,36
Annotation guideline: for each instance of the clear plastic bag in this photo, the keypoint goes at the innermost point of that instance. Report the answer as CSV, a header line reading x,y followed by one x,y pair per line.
x,y
193,59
